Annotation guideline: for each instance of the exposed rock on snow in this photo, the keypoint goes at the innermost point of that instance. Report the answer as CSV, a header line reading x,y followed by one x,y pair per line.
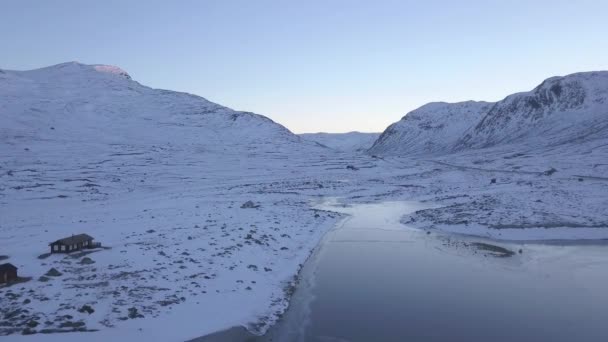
x,y
86,261
249,204
53,272
86,308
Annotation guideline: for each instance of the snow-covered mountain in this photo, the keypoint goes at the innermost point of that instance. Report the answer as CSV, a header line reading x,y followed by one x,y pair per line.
x,y
431,129
99,103
558,111
347,142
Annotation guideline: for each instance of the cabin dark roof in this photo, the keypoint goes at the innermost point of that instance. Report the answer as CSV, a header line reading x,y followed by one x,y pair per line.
x,y
7,267
74,239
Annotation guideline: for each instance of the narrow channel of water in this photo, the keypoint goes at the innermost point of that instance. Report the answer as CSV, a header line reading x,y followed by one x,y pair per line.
x,y
373,279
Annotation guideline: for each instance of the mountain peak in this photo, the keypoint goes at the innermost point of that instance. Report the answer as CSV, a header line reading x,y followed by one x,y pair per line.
x,y
75,68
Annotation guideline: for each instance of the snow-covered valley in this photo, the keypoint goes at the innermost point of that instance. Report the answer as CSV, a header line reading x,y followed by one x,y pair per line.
x,y
206,214
345,142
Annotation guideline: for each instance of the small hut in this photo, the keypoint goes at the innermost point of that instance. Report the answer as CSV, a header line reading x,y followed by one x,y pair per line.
x,y
8,273
73,243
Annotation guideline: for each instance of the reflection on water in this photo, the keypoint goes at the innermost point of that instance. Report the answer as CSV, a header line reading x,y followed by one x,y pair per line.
x,y
373,279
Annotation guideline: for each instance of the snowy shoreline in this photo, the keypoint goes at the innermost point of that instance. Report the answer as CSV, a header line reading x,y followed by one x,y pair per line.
x,y
554,234
256,315
391,221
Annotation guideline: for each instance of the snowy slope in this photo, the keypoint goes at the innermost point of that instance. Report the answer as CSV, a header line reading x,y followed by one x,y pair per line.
x,y
347,142
431,129
159,178
560,110
98,103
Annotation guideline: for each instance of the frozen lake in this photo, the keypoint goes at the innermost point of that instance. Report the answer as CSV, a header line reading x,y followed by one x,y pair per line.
x,y
373,279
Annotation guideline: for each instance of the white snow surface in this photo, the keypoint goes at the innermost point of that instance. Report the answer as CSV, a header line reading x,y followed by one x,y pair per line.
x,y
346,142
159,178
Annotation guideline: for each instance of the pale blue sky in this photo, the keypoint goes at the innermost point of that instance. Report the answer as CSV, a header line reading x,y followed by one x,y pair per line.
x,y
316,65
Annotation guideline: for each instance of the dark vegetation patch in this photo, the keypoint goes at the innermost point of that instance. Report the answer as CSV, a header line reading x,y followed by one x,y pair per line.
x,y
493,249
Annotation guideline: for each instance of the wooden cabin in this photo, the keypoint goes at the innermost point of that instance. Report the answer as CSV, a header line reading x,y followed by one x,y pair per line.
x,y
8,273
73,243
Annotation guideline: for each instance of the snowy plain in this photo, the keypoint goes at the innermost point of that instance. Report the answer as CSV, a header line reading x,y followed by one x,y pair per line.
x,y
160,179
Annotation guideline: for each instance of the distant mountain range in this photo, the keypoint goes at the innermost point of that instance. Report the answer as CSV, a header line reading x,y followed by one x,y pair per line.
x,y
347,142
73,102
561,110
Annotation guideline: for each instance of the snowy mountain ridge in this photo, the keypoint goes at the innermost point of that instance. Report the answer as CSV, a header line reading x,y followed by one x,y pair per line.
x,y
432,128
101,101
558,111
71,68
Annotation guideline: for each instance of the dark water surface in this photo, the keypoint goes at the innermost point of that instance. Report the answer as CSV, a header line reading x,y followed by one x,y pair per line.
x,y
373,279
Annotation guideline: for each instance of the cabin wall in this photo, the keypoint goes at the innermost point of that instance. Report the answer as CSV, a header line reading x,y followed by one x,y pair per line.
x,y
6,276
60,248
